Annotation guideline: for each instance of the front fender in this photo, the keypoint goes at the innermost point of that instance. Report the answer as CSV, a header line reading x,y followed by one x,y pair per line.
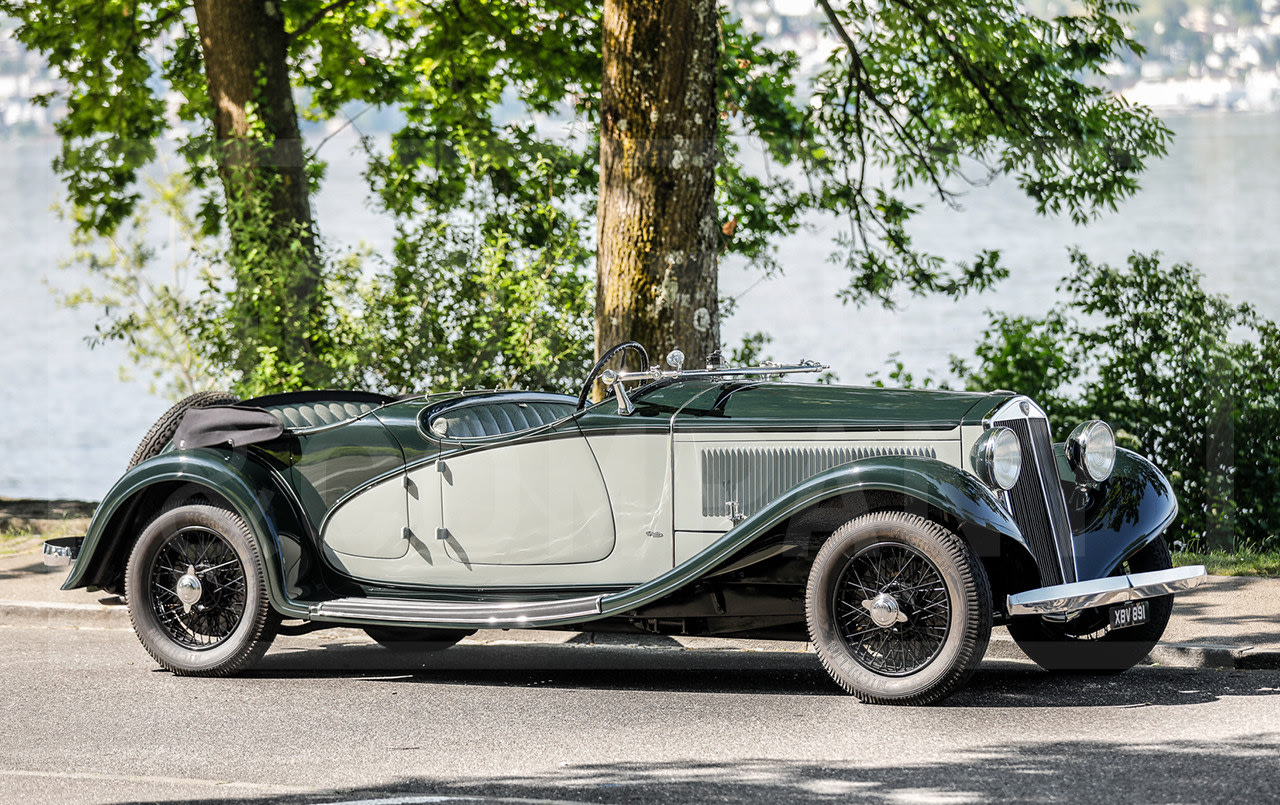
x,y
1118,517
953,491
246,484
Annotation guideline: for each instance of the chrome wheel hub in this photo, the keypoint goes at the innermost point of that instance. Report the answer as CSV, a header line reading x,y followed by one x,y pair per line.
x,y
885,611
893,609
188,589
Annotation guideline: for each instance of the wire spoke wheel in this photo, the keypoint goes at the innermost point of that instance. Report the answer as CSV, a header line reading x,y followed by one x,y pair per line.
x,y
898,608
894,585
202,554
197,591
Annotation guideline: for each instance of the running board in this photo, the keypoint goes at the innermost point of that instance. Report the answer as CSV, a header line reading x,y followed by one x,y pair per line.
x,y
483,614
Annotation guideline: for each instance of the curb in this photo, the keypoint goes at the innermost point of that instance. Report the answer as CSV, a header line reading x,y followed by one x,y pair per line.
x,y
67,616
1215,655
1219,656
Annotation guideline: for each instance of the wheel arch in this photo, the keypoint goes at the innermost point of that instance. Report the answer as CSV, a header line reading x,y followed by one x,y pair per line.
x,y
232,479
1000,546
805,516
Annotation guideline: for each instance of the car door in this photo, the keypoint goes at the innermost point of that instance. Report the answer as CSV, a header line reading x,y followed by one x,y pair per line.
x,y
518,485
536,500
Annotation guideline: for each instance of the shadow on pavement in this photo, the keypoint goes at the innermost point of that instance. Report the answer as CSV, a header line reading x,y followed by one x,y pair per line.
x,y
623,668
1055,772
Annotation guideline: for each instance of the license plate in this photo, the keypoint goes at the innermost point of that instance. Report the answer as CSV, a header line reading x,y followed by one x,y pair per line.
x,y
1134,613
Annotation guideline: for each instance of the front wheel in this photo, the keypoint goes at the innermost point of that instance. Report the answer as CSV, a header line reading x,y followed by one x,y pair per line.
x,y
197,594
899,609
1087,643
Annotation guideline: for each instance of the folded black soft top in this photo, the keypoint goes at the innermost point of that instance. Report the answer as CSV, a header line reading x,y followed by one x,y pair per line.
x,y
262,419
226,425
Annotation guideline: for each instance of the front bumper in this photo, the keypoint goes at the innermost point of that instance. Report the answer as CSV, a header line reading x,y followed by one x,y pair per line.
x,y
62,551
1062,598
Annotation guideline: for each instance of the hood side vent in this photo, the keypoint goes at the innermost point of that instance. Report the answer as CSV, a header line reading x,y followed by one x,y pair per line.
x,y
751,477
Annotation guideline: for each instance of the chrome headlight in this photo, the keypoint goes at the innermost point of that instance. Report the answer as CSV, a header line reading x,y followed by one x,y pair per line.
x,y
997,458
1091,449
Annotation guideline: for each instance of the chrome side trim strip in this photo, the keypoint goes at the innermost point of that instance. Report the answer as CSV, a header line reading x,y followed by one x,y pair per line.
x,y
1062,598
487,614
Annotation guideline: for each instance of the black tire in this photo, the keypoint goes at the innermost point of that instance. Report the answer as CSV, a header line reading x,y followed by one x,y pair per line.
x,y
164,428
931,583
1087,643
408,639
231,624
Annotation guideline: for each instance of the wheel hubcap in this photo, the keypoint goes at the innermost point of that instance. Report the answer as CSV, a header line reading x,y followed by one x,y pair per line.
x,y
188,589
885,611
892,609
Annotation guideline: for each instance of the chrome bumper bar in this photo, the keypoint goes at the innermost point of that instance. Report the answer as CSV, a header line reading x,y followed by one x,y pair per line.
x,y
62,551
1100,592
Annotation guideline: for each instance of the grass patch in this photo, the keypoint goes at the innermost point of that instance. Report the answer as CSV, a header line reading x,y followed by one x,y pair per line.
x,y
18,541
1240,563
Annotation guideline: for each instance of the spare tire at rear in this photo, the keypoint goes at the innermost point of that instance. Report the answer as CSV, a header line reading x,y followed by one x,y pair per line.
x,y
162,431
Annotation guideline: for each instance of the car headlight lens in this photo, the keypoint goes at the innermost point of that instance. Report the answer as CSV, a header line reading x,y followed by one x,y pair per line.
x,y
997,458
1091,449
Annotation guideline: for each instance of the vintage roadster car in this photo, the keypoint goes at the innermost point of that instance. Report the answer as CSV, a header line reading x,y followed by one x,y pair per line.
x,y
889,527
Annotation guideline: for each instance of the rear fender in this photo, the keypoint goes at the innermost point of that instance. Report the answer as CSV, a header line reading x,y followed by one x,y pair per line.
x,y
236,478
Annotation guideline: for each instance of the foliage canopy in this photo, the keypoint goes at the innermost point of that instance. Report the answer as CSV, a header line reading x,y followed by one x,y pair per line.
x,y
492,172
1185,377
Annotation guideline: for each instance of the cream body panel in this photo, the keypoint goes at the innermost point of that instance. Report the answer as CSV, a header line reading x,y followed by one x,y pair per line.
x,y
538,503
371,523
691,543
637,469
688,454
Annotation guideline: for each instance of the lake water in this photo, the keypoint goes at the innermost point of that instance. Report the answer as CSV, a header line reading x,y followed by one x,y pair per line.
x,y
68,424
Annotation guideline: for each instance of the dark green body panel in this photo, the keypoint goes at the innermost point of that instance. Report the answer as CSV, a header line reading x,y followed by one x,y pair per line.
x,y
252,488
784,407
808,406
331,463
1126,512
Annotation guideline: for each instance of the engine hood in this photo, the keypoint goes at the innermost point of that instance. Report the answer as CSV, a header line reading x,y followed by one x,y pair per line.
x,y
816,406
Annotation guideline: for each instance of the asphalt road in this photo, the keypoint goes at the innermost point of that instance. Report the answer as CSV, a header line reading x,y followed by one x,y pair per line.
x,y
86,717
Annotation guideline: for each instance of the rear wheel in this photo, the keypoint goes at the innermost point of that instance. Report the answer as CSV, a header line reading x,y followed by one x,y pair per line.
x,y
167,425
408,639
197,593
899,609
1087,643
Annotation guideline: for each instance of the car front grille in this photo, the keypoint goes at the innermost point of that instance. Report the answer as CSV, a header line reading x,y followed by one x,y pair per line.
x,y
1038,505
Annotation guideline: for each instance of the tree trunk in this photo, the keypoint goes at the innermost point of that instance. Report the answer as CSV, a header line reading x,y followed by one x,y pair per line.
x,y
261,162
657,280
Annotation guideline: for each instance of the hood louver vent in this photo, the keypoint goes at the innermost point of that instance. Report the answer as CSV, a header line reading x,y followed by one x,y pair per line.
x,y
753,476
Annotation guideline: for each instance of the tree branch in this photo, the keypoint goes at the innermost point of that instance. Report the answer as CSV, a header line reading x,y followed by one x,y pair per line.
x,y
315,19
858,76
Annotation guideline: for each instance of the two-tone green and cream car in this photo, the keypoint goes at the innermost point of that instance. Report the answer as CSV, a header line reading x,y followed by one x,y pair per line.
x,y
891,528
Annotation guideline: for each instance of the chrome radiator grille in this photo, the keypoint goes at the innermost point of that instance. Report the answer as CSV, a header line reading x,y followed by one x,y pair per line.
x,y
753,476
1038,505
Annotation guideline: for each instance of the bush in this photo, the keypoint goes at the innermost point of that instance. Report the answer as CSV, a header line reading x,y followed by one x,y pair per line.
x,y
1185,377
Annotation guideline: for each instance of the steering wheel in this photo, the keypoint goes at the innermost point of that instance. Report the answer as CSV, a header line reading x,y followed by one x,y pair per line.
x,y
604,359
